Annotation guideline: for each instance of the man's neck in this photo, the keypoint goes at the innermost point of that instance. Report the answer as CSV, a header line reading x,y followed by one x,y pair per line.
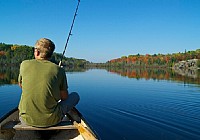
x,y
40,58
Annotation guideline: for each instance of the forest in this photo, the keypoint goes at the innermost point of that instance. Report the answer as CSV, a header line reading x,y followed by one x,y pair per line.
x,y
11,54
156,60
14,54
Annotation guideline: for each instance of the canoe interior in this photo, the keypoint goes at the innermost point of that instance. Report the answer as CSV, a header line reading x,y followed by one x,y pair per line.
x,y
10,128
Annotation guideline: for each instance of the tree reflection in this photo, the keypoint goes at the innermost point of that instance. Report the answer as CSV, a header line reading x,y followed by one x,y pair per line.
x,y
9,75
186,76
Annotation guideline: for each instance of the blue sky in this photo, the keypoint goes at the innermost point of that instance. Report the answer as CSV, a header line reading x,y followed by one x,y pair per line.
x,y
104,29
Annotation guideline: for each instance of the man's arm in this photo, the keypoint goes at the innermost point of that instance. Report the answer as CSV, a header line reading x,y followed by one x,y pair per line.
x,y
20,84
63,94
63,86
20,81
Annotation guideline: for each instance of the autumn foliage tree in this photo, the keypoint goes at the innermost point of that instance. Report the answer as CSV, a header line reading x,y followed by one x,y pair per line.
x,y
155,60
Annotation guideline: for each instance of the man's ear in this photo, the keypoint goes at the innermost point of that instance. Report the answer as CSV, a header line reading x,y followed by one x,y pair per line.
x,y
37,53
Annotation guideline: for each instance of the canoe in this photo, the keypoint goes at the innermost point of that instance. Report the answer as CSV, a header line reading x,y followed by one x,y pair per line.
x,y
73,126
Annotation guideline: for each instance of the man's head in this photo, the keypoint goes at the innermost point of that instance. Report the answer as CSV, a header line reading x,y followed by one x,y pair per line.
x,y
44,48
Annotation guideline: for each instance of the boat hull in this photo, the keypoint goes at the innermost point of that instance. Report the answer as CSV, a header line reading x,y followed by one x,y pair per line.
x,y
69,128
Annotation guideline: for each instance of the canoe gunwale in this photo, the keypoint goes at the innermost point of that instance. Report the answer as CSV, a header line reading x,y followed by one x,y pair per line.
x,y
8,114
83,123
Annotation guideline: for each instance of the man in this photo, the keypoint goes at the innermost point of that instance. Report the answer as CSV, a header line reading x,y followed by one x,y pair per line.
x,y
43,85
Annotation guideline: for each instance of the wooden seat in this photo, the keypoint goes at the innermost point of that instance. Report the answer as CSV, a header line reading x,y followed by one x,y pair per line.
x,y
18,126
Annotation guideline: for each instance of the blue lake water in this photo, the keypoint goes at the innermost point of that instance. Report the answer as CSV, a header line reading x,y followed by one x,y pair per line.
x,y
122,108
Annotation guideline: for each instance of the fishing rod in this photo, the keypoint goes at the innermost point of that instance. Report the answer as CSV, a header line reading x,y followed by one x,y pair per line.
x,y
70,33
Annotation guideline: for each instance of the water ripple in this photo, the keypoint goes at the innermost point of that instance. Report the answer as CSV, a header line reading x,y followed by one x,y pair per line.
x,y
173,126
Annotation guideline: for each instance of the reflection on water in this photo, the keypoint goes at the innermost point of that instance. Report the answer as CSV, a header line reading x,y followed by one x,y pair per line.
x,y
192,73
75,69
9,75
186,76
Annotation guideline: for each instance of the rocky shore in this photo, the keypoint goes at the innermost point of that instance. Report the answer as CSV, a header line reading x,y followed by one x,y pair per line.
x,y
187,68
189,64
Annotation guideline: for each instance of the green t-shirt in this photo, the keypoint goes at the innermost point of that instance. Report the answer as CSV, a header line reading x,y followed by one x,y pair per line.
x,y
41,81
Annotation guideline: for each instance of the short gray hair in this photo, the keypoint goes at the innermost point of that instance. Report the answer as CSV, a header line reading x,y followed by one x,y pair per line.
x,y
46,47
